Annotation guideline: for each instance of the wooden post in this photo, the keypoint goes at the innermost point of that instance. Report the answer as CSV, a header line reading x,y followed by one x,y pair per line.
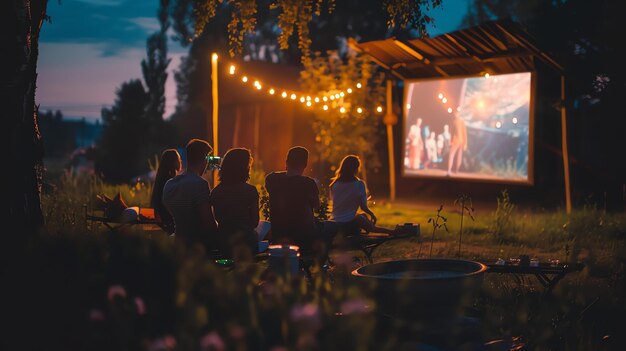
x,y
390,120
568,199
214,76
236,128
257,127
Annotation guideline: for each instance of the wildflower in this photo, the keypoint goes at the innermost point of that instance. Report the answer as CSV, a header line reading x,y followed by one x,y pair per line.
x,y
212,341
308,311
116,290
307,317
355,306
140,305
168,342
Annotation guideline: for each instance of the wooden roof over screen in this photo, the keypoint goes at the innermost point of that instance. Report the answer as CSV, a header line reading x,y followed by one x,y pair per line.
x,y
495,47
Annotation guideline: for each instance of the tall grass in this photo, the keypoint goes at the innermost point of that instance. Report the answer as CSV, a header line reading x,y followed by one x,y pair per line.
x,y
164,297
74,195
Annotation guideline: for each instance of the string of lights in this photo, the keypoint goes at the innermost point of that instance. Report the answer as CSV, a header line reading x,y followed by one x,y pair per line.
x,y
331,99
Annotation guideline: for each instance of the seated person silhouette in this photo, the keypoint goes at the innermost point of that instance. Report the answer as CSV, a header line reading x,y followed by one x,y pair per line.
x,y
293,198
349,193
236,206
187,198
169,166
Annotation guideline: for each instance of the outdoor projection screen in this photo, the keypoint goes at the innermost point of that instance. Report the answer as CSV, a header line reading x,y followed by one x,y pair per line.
x,y
477,128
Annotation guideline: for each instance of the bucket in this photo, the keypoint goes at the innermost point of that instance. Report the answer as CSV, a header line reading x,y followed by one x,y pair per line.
x,y
284,259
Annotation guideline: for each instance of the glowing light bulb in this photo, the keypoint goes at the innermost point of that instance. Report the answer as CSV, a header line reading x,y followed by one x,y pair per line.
x,y
359,85
308,103
293,96
244,79
342,94
332,97
317,99
284,94
359,110
487,75
256,83
514,120
498,124
302,99
440,96
272,91
342,110
449,109
259,87
379,109
308,98
214,57
444,100
325,107
324,98
337,96
349,90
231,69
408,106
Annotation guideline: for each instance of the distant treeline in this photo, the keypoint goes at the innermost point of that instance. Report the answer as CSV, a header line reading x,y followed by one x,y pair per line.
x,y
62,136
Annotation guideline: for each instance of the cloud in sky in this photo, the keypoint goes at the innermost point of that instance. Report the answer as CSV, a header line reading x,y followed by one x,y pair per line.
x,y
115,24
90,48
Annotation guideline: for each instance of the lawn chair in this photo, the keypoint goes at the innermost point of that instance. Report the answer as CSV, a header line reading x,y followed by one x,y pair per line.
x,y
145,218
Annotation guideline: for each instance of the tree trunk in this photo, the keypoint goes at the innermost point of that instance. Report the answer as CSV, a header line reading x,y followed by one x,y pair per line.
x,y
20,24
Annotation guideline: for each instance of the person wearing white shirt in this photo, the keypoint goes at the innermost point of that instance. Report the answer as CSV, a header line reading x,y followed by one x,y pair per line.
x,y
349,194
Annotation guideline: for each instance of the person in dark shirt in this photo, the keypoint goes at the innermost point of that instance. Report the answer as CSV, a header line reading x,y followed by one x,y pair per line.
x,y
236,205
187,198
293,199
169,166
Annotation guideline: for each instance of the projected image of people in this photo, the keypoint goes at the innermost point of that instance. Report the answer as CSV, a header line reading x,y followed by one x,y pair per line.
x,y
472,128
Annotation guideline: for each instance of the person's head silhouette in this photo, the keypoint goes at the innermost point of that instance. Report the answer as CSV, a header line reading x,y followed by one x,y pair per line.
x,y
197,152
297,159
236,166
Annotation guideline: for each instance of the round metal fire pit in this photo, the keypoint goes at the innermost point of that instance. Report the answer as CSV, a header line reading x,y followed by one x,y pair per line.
x,y
422,288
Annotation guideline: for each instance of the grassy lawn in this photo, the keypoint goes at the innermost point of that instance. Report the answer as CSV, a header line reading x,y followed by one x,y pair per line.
x,y
585,311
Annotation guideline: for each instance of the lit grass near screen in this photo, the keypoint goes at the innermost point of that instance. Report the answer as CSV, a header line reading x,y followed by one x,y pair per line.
x,y
469,128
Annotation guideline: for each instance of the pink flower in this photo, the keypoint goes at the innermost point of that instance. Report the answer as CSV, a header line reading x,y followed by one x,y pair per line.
x,y
116,290
140,305
170,341
355,306
308,311
212,341
307,317
96,315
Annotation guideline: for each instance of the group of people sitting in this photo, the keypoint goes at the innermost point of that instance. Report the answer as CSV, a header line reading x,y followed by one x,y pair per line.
x,y
224,219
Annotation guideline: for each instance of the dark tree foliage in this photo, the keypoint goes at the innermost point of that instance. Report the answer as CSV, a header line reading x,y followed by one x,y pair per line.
x,y
133,129
584,36
327,29
125,147
154,67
